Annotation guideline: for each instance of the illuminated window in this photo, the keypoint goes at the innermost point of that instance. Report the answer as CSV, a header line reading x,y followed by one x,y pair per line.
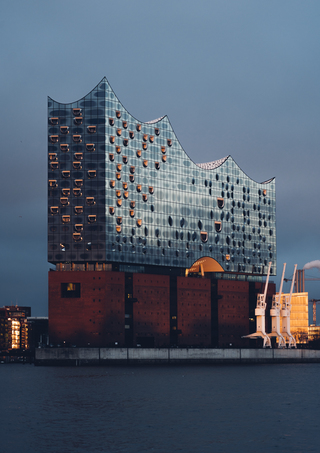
x,y
164,158
118,229
66,174
217,226
118,149
92,173
70,290
204,236
163,149
64,201
228,257
78,120
64,147
54,121
90,201
220,202
92,218
119,220
66,192
145,137
111,210
132,169
77,138
111,157
132,204
112,184
78,182
77,237
125,195
138,127
78,209
144,146
52,156
169,142
77,192
119,203
124,124
112,139
139,152
125,142
91,129
131,134
131,178
124,159
264,192
145,197
119,167
157,131
64,129
151,190
54,165
131,213
118,193
139,222
77,165
111,121
125,185
118,114
65,219
78,156
157,165
139,188
145,163
53,183
118,176
78,227
77,112
119,131
54,138
90,147
54,210
151,138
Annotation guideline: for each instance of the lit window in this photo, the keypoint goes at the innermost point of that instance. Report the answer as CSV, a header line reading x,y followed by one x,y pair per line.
x,y
124,124
54,210
131,213
264,192
138,127
119,220
144,146
118,229
112,139
163,149
77,138
119,167
54,138
77,192
64,129
204,236
65,219
118,114
111,121
64,147
125,142
91,129
131,178
77,237
132,169
78,182
145,137
92,173
228,257
118,193
145,163
111,210
77,165
220,202
124,159
132,204
78,120
90,147
118,149
145,197
78,209
119,203
125,195
78,227
125,185
54,165
52,156
119,132
139,153
77,112
66,192
112,184
111,157
131,134
169,142
90,201
151,138
164,158
64,201
139,222
139,188
157,165
217,226
157,131
92,218
53,183
118,176
78,156
70,290
66,174
54,121
151,190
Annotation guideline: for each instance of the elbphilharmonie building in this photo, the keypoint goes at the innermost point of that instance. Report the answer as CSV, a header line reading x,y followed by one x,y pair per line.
x,y
125,198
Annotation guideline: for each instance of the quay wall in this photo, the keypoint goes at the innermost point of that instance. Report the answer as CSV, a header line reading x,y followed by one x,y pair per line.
x,y
128,356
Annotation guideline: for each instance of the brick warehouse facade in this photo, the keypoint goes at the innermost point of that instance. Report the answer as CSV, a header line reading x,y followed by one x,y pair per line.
x,y
149,248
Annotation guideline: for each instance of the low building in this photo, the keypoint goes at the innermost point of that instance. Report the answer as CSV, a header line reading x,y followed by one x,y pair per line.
x,y
14,328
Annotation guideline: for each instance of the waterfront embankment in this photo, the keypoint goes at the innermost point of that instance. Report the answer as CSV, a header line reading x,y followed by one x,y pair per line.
x,y
128,356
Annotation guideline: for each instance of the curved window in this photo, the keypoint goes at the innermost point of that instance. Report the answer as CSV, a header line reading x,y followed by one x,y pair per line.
x,y
131,213
218,226
125,185
92,218
138,127
77,138
139,153
112,184
119,167
163,149
144,146
64,147
131,134
111,121
131,178
139,188
118,229
54,165
125,124
119,220
220,202
170,220
78,182
90,147
125,142
112,139
200,225
66,174
92,173
132,169
169,142
151,138
119,131
54,121
77,111
145,163
157,131
78,156
91,129
118,193
118,176
78,227
132,204
77,165
78,209
66,192
164,158
125,195
111,210
118,114
145,137
65,219
77,192
64,129
64,201
111,157
139,222
119,203
54,210
78,120
157,165
90,201
77,237
145,197
151,191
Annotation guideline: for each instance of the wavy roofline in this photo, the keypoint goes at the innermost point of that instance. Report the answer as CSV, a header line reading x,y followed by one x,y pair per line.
x,y
215,163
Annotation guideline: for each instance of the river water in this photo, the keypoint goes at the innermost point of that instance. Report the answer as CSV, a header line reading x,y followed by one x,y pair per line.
x,y
160,409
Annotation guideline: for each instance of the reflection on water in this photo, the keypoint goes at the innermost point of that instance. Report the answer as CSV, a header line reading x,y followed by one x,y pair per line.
x,y
231,408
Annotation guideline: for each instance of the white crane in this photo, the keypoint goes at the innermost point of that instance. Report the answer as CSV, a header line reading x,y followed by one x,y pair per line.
x,y
285,315
275,314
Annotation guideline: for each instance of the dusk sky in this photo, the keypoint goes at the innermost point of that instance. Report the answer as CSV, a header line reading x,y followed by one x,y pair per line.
x,y
235,77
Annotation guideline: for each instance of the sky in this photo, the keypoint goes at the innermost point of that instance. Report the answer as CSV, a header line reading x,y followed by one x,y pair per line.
x,y
235,77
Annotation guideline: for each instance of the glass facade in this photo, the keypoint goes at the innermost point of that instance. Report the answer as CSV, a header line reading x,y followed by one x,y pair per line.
x,y
123,191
